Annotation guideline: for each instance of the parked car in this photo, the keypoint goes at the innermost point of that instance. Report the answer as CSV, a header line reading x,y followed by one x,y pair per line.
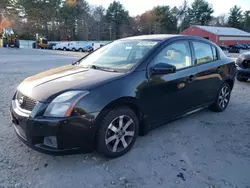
x,y
80,46
245,46
51,45
128,87
223,47
238,46
243,67
62,46
233,49
248,46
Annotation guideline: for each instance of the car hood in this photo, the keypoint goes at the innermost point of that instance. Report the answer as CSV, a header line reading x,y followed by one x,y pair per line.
x,y
44,86
245,55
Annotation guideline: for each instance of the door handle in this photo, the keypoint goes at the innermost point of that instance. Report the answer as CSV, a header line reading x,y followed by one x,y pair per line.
x,y
191,78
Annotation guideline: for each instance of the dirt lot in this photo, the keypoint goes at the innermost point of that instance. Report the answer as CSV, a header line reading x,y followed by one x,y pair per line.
x,y
207,149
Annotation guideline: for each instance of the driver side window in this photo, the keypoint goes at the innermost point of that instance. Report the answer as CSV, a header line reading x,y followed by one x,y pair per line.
x,y
177,54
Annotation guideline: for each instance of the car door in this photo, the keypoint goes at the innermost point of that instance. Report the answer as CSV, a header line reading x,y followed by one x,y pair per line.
x,y
166,96
210,68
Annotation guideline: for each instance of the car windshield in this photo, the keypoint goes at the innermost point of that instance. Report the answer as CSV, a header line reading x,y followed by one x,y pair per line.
x,y
119,54
9,31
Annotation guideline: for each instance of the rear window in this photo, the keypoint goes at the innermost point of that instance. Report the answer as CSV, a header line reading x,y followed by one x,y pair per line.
x,y
221,54
203,53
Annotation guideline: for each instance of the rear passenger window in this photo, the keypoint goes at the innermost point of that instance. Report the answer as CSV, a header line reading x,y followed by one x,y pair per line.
x,y
203,52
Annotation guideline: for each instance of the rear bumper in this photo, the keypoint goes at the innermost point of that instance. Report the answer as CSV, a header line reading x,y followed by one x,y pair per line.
x,y
243,73
70,134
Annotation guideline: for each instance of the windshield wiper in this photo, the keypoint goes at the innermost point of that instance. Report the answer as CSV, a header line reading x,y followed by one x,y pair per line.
x,y
76,63
102,68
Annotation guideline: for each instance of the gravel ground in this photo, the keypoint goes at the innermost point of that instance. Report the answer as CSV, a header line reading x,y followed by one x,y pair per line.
x,y
205,149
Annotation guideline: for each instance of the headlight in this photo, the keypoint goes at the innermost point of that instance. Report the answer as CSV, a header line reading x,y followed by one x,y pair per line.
x,y
63,104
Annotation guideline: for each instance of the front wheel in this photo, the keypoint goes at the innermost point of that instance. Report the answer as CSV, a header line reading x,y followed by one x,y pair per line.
x,y
222,99
240,79
117,133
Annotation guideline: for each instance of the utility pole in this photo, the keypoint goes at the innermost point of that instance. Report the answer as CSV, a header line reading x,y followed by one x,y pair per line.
x,y
98,30
110,32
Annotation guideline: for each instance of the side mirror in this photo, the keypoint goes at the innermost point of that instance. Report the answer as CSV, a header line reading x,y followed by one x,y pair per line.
x,y
163,68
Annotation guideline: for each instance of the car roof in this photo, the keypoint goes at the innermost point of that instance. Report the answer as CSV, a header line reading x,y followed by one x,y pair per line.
x,y
163,37
151,37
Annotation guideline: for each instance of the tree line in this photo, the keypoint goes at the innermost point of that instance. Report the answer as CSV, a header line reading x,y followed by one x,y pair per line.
x,y
79,20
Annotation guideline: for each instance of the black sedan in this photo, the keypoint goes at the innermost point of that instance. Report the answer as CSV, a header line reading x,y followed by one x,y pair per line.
x,y
124,89
233,49
243,67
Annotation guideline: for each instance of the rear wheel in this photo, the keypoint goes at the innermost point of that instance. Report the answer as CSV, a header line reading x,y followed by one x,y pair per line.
x,y
33,45
4,43
117,133
17,44
242,79
222,99
81,50
73,49
64,49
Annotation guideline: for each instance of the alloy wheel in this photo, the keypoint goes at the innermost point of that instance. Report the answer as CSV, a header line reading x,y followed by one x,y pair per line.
x,y
224,97
120,133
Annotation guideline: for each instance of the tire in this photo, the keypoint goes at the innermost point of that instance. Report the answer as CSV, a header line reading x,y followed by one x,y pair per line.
x,y
73,49
111,141
34,45
81,50
222,98
64,49
4,43
17,43
242,79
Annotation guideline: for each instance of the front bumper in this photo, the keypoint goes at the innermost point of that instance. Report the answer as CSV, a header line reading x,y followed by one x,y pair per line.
x,y
243,73
74,134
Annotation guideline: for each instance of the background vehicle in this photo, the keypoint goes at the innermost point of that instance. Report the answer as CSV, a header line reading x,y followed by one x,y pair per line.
x,y
41,43
123,89
223,47
248,46
240,46
80,46
243,67
245,46
51,46
9,38
62,46
233,49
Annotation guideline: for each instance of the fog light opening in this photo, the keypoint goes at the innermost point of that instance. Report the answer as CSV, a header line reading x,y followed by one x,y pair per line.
x,y
50,141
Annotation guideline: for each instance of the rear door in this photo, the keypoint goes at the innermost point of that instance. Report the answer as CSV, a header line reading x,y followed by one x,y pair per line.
x,y
210,68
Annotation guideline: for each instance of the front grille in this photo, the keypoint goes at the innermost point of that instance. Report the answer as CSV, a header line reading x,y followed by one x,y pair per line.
x,y
246,64
25,102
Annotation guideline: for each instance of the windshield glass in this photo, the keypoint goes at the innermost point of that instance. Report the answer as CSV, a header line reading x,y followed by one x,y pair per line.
x,y
9,31
119,54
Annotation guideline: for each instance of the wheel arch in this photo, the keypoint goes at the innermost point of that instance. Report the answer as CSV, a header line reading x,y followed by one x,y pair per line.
x,y
132,103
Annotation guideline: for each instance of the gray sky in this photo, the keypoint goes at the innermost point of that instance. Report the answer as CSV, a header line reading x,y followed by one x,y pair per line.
x,y
136,7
